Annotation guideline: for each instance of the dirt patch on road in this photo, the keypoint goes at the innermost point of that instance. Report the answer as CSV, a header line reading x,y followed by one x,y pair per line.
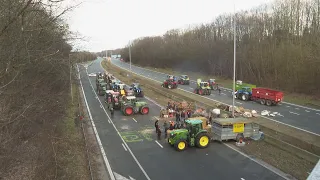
x,y
271,151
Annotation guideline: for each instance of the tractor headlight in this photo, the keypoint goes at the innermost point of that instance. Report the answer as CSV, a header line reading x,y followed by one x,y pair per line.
x,y
172,135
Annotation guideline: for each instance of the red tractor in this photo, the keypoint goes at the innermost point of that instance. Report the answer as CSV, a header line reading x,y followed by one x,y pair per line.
x,y
170,84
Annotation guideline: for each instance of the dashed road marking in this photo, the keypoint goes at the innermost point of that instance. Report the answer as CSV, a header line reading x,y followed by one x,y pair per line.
x,y
297,108
190,88
158,143
288,106
242,178
134,119
156,117
124,147
307,111
109,121
318,113
238,102
293,113
223,94
100,106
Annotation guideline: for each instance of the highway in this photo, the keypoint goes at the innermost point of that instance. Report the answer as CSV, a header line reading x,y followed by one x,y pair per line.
x,y
134,152
300,117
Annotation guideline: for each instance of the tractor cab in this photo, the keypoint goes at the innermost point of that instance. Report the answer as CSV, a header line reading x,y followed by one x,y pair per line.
x,y
204,84
212,81
129,99
193,135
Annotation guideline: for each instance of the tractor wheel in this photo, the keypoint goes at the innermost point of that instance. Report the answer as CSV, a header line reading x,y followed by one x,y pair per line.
x,y
144,110
180,145
244,97
200,92
202,140
128,110
262,101
169,86
268,103
162,85
141,94
195,91
209,92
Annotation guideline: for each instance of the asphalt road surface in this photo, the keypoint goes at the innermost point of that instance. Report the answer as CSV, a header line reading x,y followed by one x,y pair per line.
x,y
300,117
134,152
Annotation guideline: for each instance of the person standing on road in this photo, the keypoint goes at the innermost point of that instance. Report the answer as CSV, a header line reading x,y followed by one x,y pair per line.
x,y
156,125
166,127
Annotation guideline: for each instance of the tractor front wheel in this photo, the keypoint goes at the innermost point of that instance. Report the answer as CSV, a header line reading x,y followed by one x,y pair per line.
x,y
169,86
202,140
144,110
180,145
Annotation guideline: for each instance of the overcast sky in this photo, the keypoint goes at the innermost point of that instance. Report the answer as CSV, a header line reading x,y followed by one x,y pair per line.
x,y
110,24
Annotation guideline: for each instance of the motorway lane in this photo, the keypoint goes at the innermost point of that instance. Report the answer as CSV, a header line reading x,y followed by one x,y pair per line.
x,y
303,118
120,161
165,163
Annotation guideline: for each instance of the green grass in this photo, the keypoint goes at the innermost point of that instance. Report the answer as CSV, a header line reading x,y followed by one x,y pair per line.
x,y
71,155
300,99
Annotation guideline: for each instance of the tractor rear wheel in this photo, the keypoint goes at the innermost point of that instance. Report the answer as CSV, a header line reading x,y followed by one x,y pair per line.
x,y
180,145
202,140
244,97
144,110
128,110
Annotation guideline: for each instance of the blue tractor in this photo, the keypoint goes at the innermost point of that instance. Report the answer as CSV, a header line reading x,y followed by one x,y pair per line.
x,y
244,93
137,90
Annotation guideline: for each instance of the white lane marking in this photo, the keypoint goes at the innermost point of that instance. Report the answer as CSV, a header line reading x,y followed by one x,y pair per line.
x,y
242,178
223,94
229,105
134,119
293,113
258,162
100,106
158,143
134,157
109,121
190,88
97,135
287,106
238,102
307,111
156,117
297,108
124,147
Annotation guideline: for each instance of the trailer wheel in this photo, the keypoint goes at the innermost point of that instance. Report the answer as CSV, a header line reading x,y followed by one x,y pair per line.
x,y
262,101
268,103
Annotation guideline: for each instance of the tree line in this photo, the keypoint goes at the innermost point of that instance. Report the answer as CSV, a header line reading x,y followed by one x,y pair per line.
x,y
34,86
277,47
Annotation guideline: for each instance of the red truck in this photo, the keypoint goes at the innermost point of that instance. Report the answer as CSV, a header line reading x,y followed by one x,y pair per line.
x,y
267,96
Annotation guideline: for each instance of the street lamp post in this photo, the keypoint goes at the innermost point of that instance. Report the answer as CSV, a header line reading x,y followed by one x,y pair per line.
x,y
234,57
130,54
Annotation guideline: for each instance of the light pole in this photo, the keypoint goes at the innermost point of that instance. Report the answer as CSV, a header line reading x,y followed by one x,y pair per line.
x,y
130,54
234,56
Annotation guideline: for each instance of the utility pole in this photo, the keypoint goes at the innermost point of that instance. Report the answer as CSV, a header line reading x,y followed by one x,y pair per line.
x,y
130,55
234,57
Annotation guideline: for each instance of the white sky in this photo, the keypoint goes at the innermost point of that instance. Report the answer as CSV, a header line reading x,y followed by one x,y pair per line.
x,y
110,24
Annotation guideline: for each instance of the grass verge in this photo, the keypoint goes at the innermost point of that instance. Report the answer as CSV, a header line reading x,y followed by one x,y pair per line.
x,y
272,150
70,150
301,99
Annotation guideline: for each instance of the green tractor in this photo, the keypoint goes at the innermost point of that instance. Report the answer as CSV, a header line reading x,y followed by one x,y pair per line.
x,y
130,105
102,88
203,88
193,135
